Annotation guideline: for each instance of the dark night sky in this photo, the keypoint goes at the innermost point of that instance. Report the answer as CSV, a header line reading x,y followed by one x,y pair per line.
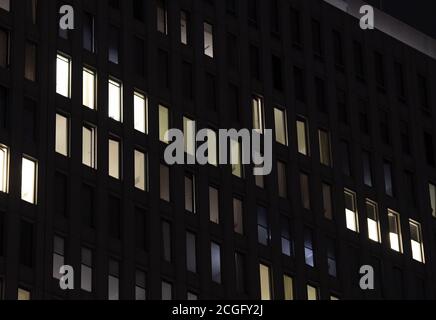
x,y
420,14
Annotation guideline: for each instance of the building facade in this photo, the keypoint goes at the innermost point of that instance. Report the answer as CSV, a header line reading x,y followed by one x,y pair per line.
x,y
83,180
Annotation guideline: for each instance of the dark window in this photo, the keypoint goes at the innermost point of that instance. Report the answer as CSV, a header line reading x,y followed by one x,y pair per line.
x,y
331,258
287,245
232,7
139,56
2,236
423,93
187,80
233,103
255,62
342,105
359,60
61,194
429,149
321,102
379,70
367,169
210,91
240,272
89,32
410,188
299,85
4,48
275,17
87,204
30,62
389,183
338,52
140,229
277,73
405,138
253,12
29,120
3,107
26,244
385,129
138,9
166,241
263,232
399,79
232,51
163,69
363,116
346,158
114,207
114,44
317,38
296,28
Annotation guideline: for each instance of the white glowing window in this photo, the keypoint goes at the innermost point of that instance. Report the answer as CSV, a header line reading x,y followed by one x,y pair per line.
x,y
140,112
281,126
63,76
5,5
140,171
163,123
4,169
395,231
115,100
312,293
29,180
258,114
162,23
89,151
351,214
416,241
89,84
189,129
184,25
373,221
208,39
236,158
432,190
114,158
58,256
62,139
265,282
302,133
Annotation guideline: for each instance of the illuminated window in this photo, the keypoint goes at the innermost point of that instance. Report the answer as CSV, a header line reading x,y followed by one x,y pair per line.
x,y
5,5
62,135
114,280
432,190
334,298
238,216
281,126
302,137
258,114
29,180
140,112
89,144
141,182
23,294
89,85
167,291
165,183
309,255
4,168
263,232
288,284
312,293
214,213
395,231
324,148
115,100
327,201
189,130
351,214
86,270
416,241
236,158
373,221
190,193
215,255
282,184
163,123
184,27
208,39
140,281
58,256
162,23
114,159
265,282
63,76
